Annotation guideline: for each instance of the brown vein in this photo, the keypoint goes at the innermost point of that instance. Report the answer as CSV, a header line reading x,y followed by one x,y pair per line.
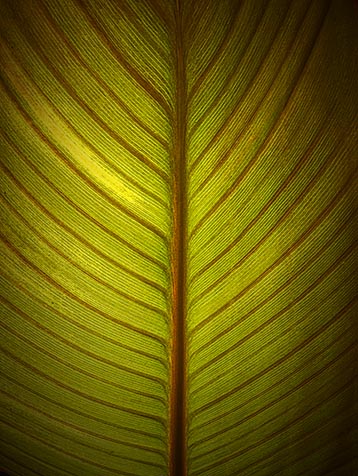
x,y
68,259
67,453
230,31
82,443
29,456
282,396
82,351
75,411
246,171
81,394
277,291
219,134
77,324
63,225
92,185
269,298
167,20
333,462
266,439
229,79
69,294
86,141
249,167
314,224
306,435
347,427
114,96
138,78
83,430
279,361
91,113
342,389
123,7
178,392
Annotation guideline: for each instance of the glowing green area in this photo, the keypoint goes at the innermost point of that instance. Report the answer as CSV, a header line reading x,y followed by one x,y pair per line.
x,y
90,139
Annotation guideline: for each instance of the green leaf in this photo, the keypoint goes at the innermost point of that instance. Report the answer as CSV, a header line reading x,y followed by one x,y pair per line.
x,y
178,183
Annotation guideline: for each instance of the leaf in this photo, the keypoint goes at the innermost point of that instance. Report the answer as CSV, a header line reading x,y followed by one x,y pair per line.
x,y
178,186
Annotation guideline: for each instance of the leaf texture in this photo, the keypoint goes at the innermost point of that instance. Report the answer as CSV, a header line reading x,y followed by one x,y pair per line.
x,y
178,198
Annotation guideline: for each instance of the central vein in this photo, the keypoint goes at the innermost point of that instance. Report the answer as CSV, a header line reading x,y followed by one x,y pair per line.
x,y
178,416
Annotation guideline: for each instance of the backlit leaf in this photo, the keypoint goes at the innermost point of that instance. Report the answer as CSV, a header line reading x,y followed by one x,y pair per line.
x,y
178,183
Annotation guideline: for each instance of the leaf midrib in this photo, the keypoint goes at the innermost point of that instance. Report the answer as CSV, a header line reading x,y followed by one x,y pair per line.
x,y
178,413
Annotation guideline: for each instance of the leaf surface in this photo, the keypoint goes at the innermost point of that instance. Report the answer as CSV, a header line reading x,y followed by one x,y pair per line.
x,y
178,185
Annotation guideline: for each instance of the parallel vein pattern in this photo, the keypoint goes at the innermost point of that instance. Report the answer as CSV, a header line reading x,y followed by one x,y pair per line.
x,y
272,178
86,232
178,244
